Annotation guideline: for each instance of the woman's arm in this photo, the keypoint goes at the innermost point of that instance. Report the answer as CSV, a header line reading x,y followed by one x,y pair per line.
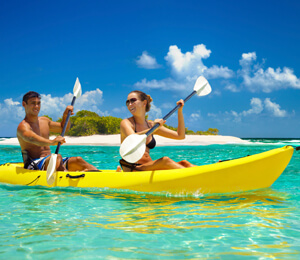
x,y
126,129
168,133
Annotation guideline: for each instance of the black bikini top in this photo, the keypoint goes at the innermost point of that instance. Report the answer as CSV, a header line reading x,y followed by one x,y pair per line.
x,y
152,143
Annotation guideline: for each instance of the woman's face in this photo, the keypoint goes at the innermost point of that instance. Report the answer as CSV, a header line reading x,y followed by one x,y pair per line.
x,y
134,104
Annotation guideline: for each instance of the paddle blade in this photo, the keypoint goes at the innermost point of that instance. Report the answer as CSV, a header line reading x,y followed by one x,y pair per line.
x,y
133,148
77,89
202,86
51,169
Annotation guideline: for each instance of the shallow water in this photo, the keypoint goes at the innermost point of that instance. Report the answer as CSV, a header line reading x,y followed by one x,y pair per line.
x,y
76,223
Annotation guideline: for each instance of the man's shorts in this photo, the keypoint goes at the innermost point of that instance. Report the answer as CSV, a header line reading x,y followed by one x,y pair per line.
x,y
40,163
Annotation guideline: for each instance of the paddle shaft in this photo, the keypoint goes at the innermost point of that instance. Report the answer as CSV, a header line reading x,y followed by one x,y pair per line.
x,y
170,113
65,125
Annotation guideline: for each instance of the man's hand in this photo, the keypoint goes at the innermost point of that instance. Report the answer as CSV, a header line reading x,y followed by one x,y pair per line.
x,y
69,108
58,139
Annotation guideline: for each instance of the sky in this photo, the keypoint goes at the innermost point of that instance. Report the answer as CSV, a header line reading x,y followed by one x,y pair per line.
x,y
247,50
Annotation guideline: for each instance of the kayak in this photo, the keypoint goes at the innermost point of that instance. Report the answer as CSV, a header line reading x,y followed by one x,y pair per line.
x,y
244,174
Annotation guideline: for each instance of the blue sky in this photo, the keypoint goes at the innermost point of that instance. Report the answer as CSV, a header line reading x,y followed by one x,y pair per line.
x,y
248,51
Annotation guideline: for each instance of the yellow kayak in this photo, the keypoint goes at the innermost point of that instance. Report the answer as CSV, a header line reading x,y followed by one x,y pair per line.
x,y
243,174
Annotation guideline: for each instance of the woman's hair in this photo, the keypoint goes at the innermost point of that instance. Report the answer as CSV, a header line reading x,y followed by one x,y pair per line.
x,y
143,96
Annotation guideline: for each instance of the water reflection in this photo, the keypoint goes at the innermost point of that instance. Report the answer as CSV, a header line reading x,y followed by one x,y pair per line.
x,y
237,224
155,214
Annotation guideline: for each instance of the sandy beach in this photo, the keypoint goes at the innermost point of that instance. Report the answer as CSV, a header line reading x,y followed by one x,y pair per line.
x,y
114,140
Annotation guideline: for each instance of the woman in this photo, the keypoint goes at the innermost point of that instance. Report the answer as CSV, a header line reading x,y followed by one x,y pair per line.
x,y
138,103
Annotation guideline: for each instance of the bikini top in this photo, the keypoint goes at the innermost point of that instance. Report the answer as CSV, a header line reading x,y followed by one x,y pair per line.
x,y
152,143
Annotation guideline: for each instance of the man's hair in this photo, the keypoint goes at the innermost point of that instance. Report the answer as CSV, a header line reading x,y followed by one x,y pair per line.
x,y
31,94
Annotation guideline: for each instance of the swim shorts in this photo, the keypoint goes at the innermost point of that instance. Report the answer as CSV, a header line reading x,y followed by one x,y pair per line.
x,y
40,163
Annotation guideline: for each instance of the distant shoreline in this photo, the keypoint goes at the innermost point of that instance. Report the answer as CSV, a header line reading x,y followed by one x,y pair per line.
x,y
114,140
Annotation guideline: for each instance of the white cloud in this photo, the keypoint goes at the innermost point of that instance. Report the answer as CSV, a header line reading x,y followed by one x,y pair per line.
x,y
146,61
256,107
189,65
256,79
195,117
185,69
267,107
91,100
165,84
55,106
12,112
232,87
154,112
119,110
274,108
218,72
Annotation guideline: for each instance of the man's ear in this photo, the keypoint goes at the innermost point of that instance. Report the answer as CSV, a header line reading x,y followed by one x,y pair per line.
x,y
23,103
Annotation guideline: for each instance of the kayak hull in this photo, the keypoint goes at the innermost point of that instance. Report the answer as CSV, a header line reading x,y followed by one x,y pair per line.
x,y
244,174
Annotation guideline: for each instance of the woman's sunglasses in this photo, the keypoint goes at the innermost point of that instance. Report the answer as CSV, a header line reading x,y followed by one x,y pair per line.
x,y
130,101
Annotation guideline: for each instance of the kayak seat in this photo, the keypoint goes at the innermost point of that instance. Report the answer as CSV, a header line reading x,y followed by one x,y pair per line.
x,y
27,160
126,165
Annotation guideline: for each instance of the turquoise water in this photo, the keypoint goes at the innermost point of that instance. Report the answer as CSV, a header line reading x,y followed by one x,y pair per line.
x,y
76,223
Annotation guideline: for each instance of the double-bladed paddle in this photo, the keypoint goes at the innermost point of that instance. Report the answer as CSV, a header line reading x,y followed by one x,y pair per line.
x,y
51,169
134,146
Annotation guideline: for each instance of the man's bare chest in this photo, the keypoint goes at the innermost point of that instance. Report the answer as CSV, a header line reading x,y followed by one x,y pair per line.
x,y
41,128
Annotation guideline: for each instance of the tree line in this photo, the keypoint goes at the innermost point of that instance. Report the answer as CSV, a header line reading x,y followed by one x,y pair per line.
x,y
86,123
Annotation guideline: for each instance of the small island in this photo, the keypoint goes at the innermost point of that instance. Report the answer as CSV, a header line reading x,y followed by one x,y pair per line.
x,y
86,123
88,128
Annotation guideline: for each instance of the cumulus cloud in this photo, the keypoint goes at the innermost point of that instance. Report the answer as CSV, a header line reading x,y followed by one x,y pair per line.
x,y
185,69
146,61
232,87
165,84
154,112
54,106
12,112
274,108
190,65
256,79
258,107
195,117
218,72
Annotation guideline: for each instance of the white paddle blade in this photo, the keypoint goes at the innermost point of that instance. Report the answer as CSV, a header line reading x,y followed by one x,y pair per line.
x,y
51,169
133,148
77,89
202,86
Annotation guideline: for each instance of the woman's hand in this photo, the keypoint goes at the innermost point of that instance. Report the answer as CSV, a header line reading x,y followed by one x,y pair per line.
x,y
181,103
160,121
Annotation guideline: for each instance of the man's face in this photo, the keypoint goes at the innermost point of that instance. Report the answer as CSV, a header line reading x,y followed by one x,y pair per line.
x,y
32,106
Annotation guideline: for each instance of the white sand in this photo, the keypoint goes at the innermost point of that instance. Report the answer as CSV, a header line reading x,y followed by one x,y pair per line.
x,y
114,140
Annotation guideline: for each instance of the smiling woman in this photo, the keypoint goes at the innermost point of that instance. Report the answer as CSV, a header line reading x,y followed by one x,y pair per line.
x,y
138,103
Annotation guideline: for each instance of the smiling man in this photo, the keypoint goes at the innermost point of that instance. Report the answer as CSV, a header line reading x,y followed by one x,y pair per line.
x,y
33,135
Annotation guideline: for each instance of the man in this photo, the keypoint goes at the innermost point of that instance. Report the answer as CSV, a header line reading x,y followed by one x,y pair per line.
x,y
33,135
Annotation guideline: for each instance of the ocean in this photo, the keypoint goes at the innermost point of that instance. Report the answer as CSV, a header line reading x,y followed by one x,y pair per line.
x,y
93,223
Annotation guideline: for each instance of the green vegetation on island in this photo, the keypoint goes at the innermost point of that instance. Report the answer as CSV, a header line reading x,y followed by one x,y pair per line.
x,y
86,123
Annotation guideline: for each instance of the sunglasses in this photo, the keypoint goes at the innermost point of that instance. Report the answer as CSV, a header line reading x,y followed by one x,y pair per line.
x,y
130,101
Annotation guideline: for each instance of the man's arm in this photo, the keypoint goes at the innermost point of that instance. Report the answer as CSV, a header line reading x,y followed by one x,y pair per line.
x,y
24,132
57,127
